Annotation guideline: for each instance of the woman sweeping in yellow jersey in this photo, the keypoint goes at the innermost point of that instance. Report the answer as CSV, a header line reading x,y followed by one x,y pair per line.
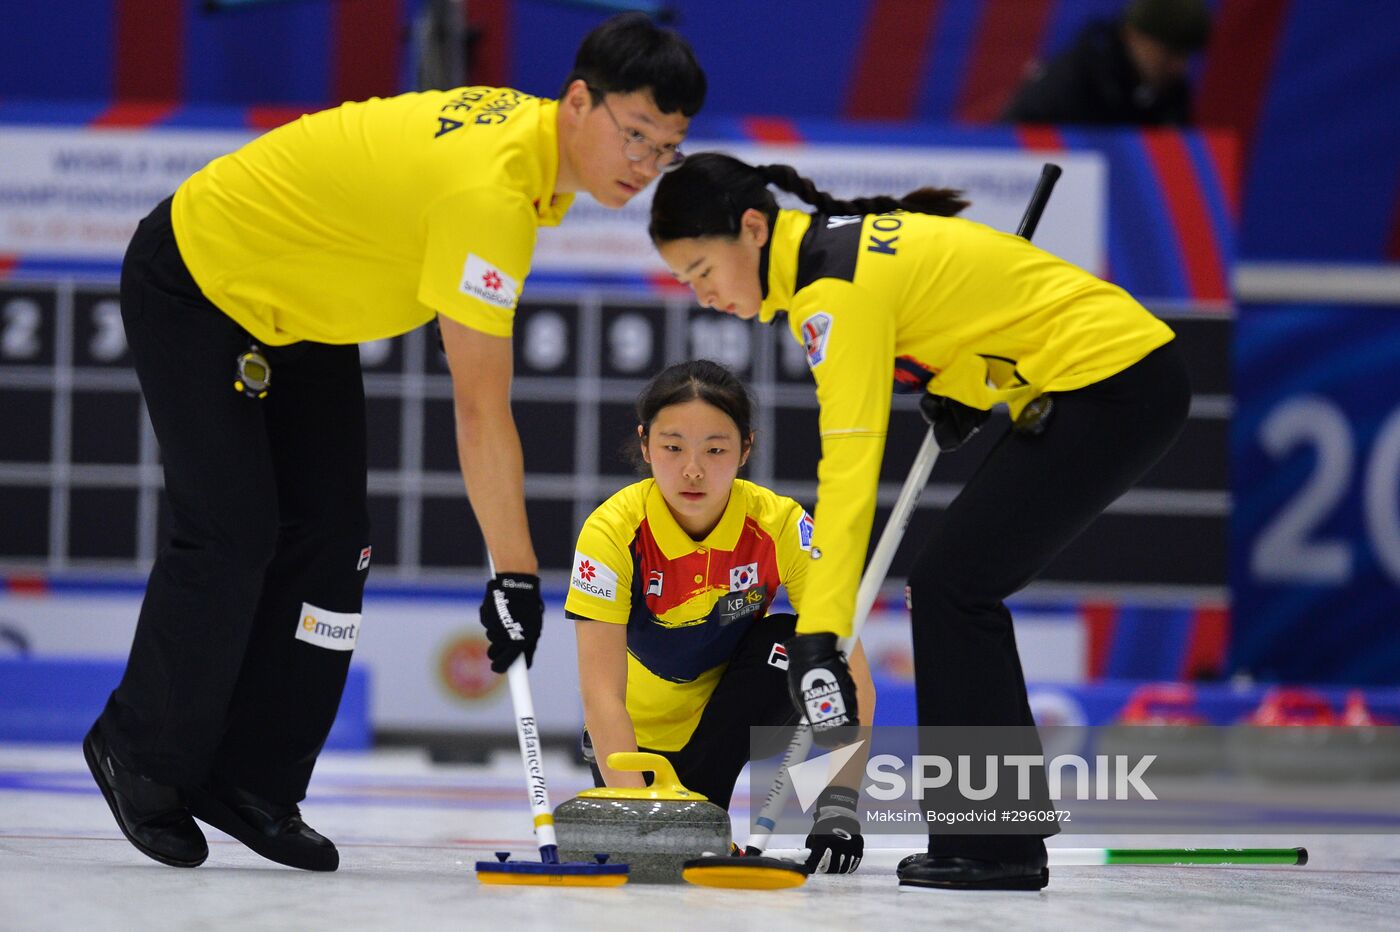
x,y
885,291
670,590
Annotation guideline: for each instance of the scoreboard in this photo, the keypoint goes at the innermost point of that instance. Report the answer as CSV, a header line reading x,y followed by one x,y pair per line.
x,y
80,473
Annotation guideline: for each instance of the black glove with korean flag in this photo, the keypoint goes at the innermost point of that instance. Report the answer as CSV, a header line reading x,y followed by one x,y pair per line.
x,y
835,845
821,687
513,615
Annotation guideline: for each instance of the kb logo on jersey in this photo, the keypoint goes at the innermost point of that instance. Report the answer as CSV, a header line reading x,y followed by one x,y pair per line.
x,y
736,606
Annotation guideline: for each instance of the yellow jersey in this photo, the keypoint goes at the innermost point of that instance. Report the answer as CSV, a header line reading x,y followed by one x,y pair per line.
x,y
926,303
362,221
686,603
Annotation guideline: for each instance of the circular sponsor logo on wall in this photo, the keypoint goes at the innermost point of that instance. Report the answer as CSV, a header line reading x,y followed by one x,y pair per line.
x,y
465,670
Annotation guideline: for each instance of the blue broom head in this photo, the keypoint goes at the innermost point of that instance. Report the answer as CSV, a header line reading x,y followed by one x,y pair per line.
x,y
599,867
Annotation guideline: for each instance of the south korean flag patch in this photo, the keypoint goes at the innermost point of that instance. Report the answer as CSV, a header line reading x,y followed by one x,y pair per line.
x,y
816,332
821,699
743,577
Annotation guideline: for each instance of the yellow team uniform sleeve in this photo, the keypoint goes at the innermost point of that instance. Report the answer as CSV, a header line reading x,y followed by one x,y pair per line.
x,y
600,580
478,250
849,338
793,549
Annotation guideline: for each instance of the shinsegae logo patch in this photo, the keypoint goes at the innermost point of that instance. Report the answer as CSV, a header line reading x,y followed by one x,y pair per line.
x,y
593,577
486,282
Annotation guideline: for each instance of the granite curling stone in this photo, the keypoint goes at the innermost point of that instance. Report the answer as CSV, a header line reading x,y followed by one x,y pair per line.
x,y
654,829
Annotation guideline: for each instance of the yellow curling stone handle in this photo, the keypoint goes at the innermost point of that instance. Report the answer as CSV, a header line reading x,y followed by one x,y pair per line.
x,y
665,785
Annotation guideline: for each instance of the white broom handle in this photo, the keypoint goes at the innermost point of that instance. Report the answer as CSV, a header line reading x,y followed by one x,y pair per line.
x,y
527,731
780,791
870,584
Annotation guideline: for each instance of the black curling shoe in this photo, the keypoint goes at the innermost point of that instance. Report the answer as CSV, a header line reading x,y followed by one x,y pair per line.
x,y
273,830
922,872
151,815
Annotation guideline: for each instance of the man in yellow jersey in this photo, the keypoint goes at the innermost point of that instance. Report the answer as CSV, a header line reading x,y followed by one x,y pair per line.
x,y
243,299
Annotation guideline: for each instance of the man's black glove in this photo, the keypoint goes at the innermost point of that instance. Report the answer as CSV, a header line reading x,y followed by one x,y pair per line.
x,y
953,422
513,615
835,842
821,687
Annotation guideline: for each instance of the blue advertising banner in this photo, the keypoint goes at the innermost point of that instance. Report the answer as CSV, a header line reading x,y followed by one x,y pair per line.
x,y
1154,211
1315,474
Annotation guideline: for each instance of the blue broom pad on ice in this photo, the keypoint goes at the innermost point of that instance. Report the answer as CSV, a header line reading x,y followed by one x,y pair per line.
x,y
570,873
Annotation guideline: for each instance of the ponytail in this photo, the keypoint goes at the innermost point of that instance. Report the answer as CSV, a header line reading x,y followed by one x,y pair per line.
x,y
942,202
709,192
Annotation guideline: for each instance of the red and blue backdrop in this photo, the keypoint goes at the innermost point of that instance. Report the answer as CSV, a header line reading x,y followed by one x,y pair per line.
x,y
1308,87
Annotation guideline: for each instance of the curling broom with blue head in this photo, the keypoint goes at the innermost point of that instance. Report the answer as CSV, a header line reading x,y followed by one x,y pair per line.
x,y
548,870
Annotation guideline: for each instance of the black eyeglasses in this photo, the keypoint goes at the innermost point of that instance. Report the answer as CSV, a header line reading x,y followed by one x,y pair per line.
x,y
638,148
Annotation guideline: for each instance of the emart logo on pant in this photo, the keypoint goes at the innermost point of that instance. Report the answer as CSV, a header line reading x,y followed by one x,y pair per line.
x,y
322,627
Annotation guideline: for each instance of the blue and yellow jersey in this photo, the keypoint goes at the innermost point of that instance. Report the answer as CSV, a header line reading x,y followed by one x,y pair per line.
x,y
362,221
925,303
686,603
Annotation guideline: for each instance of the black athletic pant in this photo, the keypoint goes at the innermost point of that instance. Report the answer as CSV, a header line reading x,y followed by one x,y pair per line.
x,y
1029,498
751,692
267,515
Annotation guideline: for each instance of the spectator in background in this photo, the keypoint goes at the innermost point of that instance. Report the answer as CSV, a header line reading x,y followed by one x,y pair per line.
x,y
1130,70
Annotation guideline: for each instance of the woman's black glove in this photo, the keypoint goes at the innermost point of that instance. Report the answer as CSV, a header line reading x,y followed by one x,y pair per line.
x,y
821,687
835,844
953,422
